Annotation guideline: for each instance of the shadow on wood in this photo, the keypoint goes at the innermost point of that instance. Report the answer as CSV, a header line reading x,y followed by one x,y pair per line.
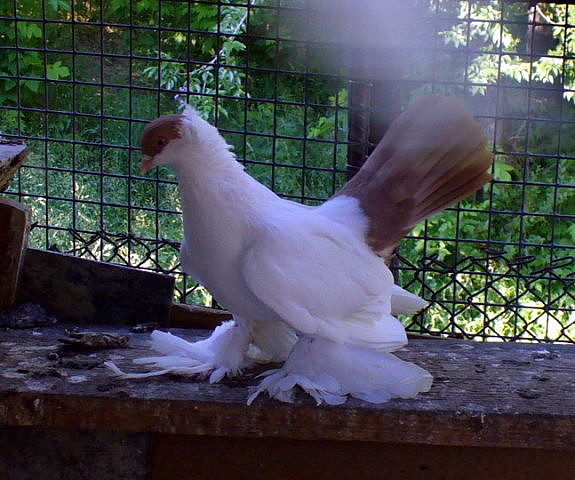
x,y
14,228
84,291
214,458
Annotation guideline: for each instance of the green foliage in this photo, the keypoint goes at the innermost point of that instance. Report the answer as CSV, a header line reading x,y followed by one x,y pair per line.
x,y
492,26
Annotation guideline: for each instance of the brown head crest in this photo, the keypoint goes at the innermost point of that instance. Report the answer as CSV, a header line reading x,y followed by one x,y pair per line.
x,y
159,133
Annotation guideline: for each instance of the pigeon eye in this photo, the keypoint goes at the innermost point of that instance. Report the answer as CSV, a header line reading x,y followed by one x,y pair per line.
x,y
161,142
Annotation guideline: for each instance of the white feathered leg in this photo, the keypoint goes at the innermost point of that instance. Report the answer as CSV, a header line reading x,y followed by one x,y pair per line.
x,y
271,341
222,354
329,371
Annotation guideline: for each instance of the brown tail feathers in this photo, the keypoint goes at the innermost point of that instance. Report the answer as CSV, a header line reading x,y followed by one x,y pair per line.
x,y
432,156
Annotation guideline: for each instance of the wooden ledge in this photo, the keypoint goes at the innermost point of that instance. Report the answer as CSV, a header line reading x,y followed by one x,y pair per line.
x,y
484,395
12,155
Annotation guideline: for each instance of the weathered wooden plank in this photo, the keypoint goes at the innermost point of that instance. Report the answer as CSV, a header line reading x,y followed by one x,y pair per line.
x,y
12,155
89,292
194,316
183,315
484,395
14,229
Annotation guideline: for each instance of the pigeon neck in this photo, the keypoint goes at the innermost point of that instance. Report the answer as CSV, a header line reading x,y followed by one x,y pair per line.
x,y
212,177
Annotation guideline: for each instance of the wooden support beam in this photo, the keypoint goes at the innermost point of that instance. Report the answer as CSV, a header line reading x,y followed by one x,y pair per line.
x,y
14,229
209,458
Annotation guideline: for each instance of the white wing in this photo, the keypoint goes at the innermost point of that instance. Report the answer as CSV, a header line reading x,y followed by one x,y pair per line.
x,y
321,278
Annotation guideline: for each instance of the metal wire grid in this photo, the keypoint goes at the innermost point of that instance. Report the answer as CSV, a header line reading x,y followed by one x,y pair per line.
x,y
108,73
90,200
526,287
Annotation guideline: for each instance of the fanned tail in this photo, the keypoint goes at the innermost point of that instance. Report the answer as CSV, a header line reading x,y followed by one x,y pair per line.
x,y
433,155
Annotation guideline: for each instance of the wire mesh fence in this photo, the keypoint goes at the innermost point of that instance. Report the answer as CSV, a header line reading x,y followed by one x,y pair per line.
x,y
302,108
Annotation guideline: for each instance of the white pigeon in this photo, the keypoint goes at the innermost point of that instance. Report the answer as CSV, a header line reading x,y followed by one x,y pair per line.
x,y
310,286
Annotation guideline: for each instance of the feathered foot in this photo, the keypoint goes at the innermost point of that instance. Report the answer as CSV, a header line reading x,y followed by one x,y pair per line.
x,y
222,354
330,371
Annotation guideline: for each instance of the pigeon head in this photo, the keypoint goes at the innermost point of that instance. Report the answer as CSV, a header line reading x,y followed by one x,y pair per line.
x,y
161,138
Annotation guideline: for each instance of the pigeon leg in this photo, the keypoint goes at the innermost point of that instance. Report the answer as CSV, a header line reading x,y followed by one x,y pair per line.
x,y
329,371
222,354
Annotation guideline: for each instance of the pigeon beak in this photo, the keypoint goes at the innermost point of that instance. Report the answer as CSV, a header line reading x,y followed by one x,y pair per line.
x,y
147,164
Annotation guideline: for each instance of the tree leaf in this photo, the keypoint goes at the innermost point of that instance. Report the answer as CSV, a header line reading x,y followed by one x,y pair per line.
x,y
503,170
32,85
56,71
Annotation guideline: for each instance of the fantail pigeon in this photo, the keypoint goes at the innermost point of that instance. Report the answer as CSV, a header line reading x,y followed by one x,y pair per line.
x,y
310,286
